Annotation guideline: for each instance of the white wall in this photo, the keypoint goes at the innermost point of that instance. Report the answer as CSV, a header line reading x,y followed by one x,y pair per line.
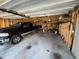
x,y
75,48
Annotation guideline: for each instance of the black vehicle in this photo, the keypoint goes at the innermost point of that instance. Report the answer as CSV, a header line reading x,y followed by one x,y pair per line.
x,y
14,33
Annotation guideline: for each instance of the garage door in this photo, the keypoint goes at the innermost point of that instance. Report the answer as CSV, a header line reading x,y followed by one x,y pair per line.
x,y
75,48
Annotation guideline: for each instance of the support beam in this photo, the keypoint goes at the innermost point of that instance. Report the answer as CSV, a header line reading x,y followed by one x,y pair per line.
x,y
13,12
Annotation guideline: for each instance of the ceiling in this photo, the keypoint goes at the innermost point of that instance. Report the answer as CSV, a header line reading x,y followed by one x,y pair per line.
x,y
37,7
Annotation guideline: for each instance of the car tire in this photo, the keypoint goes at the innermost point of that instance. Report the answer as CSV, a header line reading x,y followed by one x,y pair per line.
x,y
15,39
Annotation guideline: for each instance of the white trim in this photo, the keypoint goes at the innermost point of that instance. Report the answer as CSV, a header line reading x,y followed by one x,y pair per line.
x,y
26,33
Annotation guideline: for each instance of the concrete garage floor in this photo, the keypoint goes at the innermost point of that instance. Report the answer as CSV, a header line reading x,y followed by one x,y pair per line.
x,y
37,46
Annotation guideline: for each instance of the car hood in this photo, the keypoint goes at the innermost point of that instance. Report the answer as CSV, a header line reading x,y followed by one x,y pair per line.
x,y
8,29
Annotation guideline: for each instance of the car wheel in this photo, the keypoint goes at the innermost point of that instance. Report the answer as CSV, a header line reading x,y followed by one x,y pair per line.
x,y
15,39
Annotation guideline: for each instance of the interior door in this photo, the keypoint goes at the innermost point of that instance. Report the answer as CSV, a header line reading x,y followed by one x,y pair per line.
x,y
75,48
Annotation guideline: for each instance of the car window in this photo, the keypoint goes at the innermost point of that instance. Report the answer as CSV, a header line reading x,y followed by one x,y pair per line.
x,y
27,25
16,25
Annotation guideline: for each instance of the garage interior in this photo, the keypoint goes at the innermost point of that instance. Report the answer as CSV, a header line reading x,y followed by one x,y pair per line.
x,y
57,35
